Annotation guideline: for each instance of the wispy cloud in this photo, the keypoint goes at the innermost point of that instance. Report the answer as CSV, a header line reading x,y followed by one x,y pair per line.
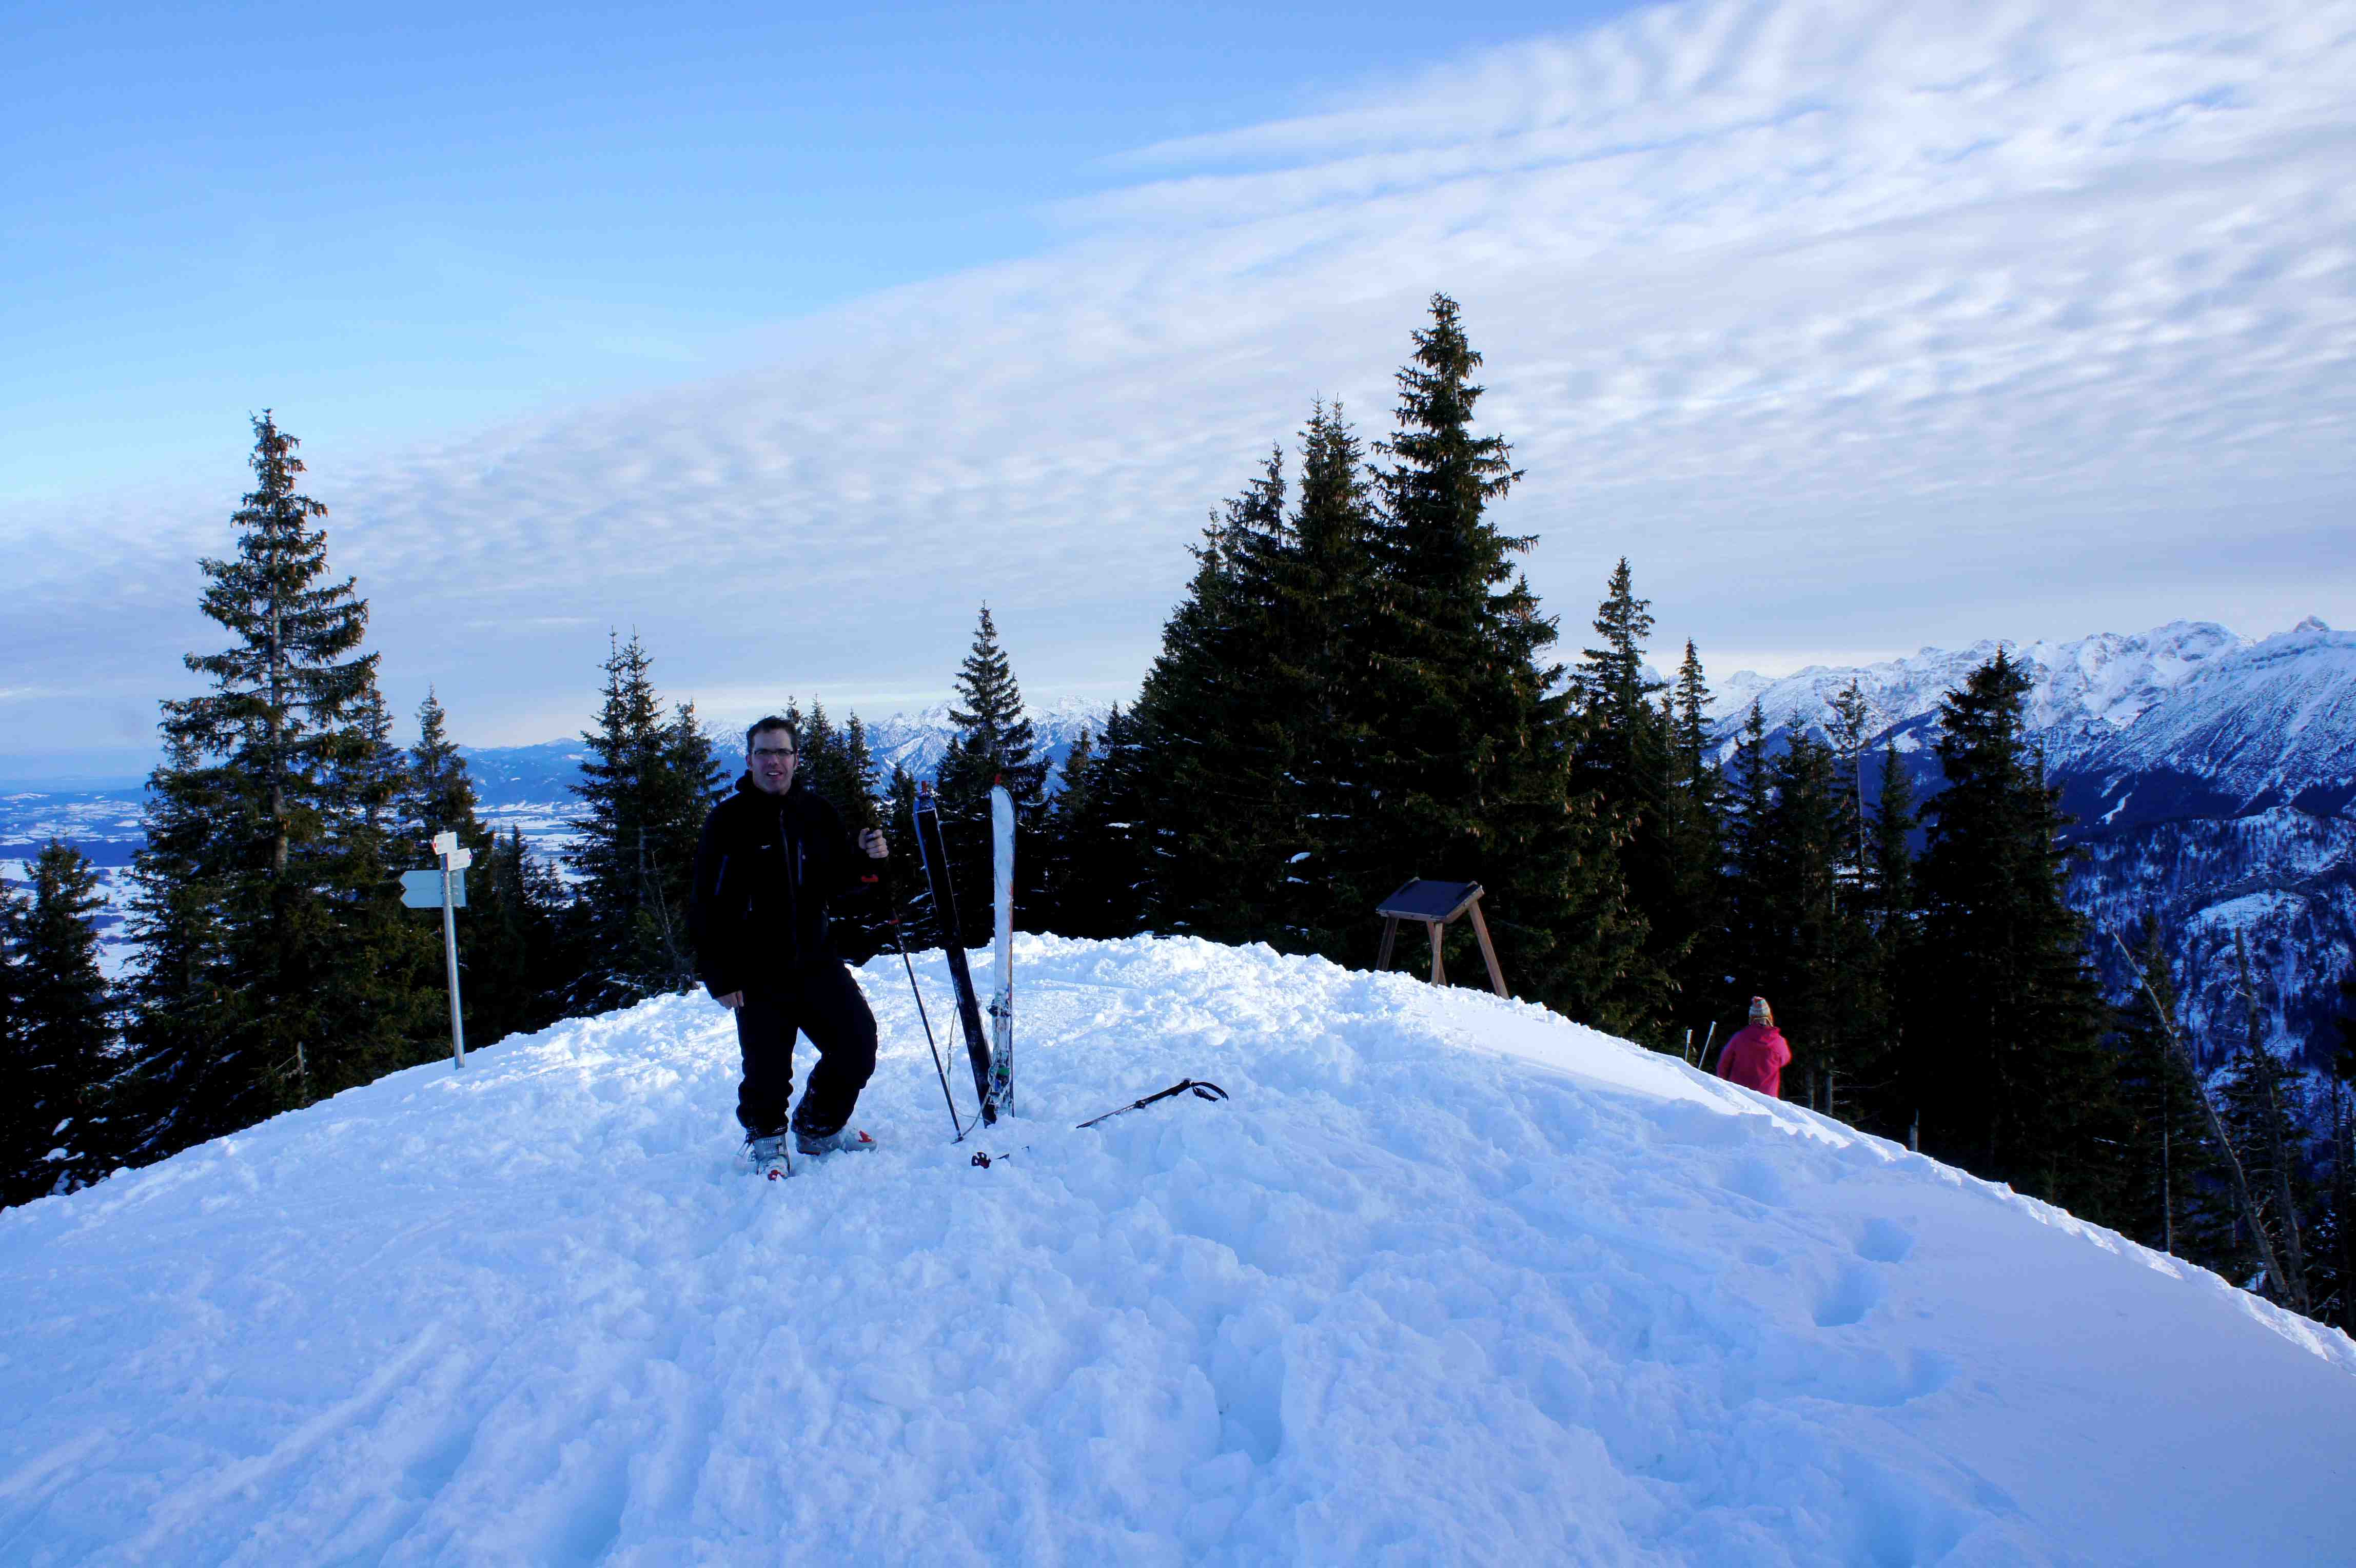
x,y
1853,326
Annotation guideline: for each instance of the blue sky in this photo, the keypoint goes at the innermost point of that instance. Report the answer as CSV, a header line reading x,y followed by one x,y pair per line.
x,y
401,222
1857,327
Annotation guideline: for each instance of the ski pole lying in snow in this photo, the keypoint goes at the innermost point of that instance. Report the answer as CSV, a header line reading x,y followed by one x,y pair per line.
x,y
1202,1092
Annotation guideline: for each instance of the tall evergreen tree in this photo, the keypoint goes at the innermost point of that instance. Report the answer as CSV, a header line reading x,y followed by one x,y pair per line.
x,y
394,1009
2172,1196
57,1033
838,765
1321,697
2004,1039
439,795
1749,796
2332,1263
1218,809
1890,851
1470,775
511,962
1100,858
1884,1102
647,786
1626,759
263,892
1693,842
2263,1110
1855,1030
995,744
516,962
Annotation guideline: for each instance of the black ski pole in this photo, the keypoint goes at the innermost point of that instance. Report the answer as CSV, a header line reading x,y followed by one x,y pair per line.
x,y
1202,1092
900,940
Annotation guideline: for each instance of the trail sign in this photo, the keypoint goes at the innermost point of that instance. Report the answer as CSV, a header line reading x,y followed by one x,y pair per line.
x,y
444,888
423,889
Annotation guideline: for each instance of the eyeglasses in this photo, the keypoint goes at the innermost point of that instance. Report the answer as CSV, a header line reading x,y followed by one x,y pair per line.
x,y
774,751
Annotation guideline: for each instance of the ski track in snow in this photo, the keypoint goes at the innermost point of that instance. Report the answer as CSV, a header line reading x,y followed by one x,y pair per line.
x,y
1449,1280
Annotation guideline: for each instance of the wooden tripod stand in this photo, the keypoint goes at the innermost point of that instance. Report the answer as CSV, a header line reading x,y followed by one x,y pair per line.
x,y
1436,904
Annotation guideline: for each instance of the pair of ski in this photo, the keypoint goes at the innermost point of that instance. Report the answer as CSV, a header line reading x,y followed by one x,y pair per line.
x,y
991,1056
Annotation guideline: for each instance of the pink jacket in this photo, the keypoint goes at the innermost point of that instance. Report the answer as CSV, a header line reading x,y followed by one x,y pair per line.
x,y
1755,1057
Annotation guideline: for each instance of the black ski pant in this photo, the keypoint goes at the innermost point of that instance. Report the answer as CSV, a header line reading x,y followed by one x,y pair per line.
x,y
820,1000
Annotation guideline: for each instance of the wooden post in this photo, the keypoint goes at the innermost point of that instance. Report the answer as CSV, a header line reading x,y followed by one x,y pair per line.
x,y
1434,904
1488,950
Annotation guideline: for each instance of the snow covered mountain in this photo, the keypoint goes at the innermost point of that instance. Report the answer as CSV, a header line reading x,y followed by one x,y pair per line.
x,y
511,776
1448,1280
917,741
2213,779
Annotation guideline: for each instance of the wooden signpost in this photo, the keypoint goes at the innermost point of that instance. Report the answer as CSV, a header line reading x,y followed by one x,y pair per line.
x,y
1436,904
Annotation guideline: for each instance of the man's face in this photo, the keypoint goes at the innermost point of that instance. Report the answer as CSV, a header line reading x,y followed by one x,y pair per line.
x,y
771,760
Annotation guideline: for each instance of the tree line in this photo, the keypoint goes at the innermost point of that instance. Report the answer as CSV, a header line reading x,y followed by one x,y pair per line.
x,y
1358,686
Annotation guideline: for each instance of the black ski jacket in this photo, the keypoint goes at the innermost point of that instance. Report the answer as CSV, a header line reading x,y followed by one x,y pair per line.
x,y
765,868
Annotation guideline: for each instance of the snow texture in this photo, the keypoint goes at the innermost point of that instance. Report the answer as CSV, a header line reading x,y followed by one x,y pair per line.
x,y
1450,1280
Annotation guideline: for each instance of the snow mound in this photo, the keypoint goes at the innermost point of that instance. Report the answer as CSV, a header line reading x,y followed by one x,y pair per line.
x,y
1448,1280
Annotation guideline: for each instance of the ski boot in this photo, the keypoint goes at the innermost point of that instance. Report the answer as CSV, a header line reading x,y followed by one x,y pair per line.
x,y
768,1155
849,1138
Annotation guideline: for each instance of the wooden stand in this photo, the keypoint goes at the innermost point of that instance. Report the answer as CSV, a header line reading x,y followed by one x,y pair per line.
x,y
1436,904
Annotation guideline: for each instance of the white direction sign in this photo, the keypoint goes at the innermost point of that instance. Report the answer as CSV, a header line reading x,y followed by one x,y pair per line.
x,y
423,889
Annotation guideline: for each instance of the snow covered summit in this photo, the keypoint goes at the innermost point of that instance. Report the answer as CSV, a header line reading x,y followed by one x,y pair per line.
x,y
1448,1280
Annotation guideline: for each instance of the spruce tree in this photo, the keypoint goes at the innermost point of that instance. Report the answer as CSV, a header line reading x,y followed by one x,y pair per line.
x,y
512,953
2173,1197
1099,855
648,785
508,958
2332,1265
1626,759
2004,1046
395,1009
1061,837
263,898
439,794
20,1104
1470,775
1888,914
837,766
1856,1027
1218,806
57,1033
995,744
2263,1108
1321,698
1694,853
1749,795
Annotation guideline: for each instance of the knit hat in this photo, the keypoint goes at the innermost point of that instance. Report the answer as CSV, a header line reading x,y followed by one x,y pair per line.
x,y
1760,1012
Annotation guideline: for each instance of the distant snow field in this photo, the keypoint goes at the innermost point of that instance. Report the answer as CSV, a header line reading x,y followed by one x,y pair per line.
x,y
1449,1280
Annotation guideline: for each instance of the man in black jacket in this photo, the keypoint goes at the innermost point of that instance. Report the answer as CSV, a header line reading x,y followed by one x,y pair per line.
x,y
771,856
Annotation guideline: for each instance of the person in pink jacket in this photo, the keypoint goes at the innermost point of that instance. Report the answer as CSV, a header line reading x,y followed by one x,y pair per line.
x,y
1756,1056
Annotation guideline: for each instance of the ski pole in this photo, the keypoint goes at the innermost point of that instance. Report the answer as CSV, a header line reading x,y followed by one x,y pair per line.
x,y
1202,1092
900,940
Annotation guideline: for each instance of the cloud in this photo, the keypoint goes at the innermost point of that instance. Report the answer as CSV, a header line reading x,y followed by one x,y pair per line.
x,y
1853,326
